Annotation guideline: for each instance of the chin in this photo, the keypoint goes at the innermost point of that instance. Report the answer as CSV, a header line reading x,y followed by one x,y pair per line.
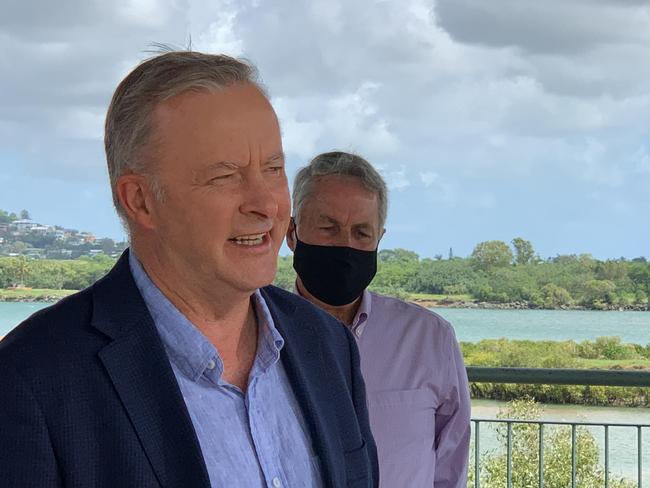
x,y
256,279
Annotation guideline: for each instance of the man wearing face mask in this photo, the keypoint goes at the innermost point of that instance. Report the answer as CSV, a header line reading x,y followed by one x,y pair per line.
x,y
416,383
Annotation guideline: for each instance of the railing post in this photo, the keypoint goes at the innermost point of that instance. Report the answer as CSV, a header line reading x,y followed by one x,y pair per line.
x,y
573,456
509,455
607,456
541,455
639,450
477,456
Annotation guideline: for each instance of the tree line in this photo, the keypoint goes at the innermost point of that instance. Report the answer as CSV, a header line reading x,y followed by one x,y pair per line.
x,y
499,273
495,272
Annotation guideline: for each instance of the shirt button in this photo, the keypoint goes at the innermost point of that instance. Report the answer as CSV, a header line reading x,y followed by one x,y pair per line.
x,y
211,364
277,483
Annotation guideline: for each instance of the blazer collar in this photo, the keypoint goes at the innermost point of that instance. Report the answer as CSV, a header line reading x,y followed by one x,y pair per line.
x,y
138,366
307,371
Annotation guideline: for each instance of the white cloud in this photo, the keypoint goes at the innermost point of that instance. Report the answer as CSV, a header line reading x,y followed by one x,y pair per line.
x,y
459,101
642,161
219,36
396,179
429,178
83,123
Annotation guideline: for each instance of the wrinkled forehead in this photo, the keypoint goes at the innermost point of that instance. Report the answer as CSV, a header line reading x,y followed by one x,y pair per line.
x,y
342,199
235,124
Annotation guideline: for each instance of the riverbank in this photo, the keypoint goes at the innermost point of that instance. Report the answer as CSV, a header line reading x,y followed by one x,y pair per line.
x,y
451,302
26,295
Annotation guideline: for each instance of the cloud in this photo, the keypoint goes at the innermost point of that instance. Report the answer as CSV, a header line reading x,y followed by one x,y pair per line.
x,y
641,160
556,26
396,179
468,104
429,178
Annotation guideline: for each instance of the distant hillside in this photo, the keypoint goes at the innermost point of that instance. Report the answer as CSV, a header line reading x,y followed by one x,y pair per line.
x,y
22,236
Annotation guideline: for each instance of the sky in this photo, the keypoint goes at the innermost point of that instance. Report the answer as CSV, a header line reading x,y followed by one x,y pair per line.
x,y
488,120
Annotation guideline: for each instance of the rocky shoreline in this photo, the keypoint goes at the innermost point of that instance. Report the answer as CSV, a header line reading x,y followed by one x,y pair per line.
x,y
422,303
518,306
41,299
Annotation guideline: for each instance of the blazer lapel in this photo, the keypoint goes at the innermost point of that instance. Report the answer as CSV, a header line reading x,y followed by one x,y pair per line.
x,y
305,368
138,366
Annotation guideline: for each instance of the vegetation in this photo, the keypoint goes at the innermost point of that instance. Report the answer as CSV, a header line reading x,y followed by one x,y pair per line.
x,y
74,274
496,274
603,353
493,274
557,454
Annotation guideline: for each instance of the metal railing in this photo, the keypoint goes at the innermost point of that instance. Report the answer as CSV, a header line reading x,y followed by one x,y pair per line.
x,y
564,377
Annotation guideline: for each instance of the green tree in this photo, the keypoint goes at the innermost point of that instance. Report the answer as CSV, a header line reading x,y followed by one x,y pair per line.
x,y
524,252
557,454
4,217
286,276
555,296
599,293
107,245
488,255
24,214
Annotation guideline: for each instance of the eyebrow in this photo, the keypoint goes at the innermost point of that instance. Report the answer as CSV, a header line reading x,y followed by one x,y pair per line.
x,y
364,225
199,174
275,158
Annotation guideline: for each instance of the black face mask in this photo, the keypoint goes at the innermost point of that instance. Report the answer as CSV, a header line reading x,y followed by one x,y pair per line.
x,y
336,275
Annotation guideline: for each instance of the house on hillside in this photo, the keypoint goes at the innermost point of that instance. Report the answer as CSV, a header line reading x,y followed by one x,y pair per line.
x,y
23,225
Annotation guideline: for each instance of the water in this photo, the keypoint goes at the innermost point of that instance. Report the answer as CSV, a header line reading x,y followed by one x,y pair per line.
x,y
472,325
12,313
622,440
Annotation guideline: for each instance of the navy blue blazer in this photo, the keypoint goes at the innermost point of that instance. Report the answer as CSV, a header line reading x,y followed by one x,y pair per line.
x,y
88,397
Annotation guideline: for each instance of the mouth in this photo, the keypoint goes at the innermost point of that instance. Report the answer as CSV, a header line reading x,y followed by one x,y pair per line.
x,y
250,239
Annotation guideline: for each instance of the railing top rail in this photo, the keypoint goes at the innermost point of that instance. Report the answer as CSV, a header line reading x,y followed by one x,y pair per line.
x,y
558,422
556,376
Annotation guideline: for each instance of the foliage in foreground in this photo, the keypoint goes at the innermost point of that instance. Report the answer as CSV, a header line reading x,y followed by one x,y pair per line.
x,y
610,352
557,455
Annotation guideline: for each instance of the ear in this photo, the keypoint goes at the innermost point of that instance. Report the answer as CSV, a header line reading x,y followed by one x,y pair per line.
x,y
291,234
135,199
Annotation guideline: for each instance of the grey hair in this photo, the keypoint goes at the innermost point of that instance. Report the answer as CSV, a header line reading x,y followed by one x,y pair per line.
x,y
129,127
338,163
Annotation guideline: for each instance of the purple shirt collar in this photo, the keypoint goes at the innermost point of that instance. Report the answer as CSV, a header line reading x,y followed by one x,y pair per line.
x,y
363,312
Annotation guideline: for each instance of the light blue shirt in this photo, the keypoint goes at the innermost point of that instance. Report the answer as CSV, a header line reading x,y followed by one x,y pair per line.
x,y
253,439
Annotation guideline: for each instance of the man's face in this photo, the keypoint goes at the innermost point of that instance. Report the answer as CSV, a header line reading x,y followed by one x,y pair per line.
x,y
339,212
218,157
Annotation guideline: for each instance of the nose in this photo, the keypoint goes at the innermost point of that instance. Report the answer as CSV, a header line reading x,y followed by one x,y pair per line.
x,y
343,239
259,197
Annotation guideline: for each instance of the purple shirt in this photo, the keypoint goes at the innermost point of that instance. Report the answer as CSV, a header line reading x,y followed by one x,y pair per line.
x,y
418,396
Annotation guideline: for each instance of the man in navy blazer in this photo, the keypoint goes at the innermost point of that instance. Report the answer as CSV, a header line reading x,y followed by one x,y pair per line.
x,y
181,367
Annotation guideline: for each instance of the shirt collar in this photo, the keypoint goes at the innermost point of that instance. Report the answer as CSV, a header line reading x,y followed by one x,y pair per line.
x,y
361,318
363,312
186,346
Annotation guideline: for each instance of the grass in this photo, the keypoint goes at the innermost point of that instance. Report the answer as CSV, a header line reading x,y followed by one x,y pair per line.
x,y
613,363
32,293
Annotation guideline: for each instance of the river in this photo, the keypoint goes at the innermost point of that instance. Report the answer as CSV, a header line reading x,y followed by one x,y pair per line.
x,y
472,325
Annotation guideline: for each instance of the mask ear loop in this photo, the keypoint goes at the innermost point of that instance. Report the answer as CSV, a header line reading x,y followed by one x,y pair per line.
x,y
383,233
295,228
